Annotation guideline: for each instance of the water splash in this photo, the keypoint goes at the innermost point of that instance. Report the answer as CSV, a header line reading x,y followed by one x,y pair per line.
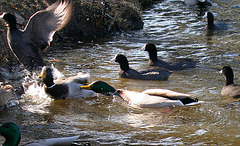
x,y
35,97
56,73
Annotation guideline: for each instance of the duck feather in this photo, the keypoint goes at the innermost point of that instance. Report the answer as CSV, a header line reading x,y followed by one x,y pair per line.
x,y
43,24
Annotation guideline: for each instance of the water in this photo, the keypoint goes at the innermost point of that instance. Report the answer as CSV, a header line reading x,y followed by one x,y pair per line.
x,y
178,31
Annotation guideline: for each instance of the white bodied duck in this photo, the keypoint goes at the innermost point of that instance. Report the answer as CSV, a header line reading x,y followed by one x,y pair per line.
x,y
200,3
65,87
11,132
147,98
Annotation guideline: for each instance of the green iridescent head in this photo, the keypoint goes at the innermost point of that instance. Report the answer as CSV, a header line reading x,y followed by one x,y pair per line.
x,y
100,87
11,133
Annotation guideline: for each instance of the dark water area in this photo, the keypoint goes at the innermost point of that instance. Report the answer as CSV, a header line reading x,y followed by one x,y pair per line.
x,y
178,32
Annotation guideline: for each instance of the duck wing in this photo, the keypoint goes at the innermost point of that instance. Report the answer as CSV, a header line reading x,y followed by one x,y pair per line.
x,y
232,90
167,94
145,100
63,141
43,24
221,25
80,78
185,99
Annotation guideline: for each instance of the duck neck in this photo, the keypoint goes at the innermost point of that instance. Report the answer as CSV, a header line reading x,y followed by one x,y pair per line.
x,y
210,23
12,140
12,26
153,55
229,80
49,83
124,65
11,22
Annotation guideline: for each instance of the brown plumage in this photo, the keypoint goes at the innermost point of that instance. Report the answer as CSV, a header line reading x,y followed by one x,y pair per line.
x,y
230,88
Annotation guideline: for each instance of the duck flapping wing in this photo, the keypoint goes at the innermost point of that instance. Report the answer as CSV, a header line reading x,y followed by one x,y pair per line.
x,y
43,24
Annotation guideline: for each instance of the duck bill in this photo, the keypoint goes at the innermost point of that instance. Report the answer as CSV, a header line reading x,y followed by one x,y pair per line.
x,y
88,87
42,75
205,15
114,58
2,15
143,48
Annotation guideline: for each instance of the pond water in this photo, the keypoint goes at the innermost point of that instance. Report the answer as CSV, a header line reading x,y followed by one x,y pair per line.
x,y
178,31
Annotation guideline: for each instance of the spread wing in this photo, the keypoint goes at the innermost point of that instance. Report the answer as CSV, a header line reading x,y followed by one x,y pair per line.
x,y
43,24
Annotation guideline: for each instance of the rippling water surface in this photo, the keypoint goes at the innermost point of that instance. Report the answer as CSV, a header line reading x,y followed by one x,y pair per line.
x,y
178,31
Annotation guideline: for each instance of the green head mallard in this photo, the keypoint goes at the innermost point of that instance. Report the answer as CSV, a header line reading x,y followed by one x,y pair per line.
x,y
100,87
146,98
11,133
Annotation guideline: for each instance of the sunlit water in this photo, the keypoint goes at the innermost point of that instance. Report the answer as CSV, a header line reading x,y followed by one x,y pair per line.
x,y
178,31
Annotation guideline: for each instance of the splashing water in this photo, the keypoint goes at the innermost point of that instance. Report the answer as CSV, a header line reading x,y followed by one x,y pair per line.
x,y
35,94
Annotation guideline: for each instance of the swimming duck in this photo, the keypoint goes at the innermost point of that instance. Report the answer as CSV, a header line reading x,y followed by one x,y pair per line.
x,y
229,88
170,64
28,44
200,3
147,98
214,26
65,87
147,73
11,132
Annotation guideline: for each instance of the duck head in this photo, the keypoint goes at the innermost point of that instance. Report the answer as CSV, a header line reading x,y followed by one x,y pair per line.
x,y
10,19
204,3
151,49
210,19
47,76
122,60
11,133
100,87
228,73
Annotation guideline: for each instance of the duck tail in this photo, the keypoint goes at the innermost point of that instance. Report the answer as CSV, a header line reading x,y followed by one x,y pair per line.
x,y
188,100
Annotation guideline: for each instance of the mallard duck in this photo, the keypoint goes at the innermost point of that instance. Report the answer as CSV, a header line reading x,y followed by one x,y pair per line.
x,y
65,87
170,64
11,132
229,88
147,73
147,98
200,3
38,33
214,26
